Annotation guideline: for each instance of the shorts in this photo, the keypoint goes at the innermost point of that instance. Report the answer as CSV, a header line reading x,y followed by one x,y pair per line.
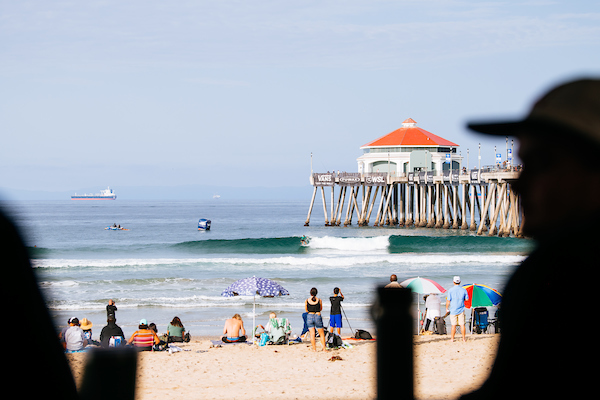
x,y
314,321
458,319
335,321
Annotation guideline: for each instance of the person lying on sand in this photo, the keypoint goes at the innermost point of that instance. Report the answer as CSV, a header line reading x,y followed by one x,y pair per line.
x,y
232,329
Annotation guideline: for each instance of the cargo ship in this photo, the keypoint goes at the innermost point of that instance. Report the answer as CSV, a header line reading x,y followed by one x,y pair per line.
x,y
106,194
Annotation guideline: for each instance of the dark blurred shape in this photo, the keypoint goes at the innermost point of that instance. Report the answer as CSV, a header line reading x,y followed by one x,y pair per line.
x,y
41,356
37,361
391,313
110,374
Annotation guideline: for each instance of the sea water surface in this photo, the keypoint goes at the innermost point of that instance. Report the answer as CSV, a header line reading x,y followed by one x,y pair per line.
x,y
162,266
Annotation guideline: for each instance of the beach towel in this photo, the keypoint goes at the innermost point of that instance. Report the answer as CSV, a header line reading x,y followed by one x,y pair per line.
x,y
175,349
77,351
221,343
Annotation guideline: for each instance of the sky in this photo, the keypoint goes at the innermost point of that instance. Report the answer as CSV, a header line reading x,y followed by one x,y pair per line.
x,y
241,93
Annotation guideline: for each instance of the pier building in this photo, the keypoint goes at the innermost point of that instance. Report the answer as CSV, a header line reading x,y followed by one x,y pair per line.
x,y
413,178
409,149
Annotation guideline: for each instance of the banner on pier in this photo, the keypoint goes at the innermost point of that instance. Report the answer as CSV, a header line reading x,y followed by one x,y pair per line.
x,y
451,176
474,176
349,178
324,179
376,179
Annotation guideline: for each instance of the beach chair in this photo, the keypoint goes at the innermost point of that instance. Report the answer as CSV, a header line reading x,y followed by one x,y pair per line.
x,y
279,330
481,322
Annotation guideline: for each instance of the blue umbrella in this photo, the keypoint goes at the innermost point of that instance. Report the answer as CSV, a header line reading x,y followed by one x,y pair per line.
x,y
255,286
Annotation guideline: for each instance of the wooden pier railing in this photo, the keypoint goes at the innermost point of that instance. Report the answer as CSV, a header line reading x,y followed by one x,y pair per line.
x,y
478,200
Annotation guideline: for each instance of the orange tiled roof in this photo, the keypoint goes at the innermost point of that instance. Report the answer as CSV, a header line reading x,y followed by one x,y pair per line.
x,y
410,135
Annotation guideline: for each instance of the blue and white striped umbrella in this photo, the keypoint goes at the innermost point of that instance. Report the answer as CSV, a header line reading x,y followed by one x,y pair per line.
x,y
255,286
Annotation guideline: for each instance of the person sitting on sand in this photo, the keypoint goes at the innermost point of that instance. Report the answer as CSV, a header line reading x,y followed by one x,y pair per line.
x,y
74,338
111,331
232,329
86,326
144,338
176,330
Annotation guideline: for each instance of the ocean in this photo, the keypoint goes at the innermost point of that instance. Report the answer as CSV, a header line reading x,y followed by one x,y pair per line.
x,y
162,266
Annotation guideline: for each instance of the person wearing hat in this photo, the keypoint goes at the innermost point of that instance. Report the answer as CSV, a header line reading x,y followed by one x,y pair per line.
x,y
144,338
74,337
559,146
455,305
86,326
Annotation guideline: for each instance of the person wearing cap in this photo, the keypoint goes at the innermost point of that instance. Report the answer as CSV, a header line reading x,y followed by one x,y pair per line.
x,y
143,339
74,337
455,305
559,146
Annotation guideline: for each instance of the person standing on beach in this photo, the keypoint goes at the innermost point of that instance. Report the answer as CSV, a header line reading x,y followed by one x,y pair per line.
x,y
432,309
335,314
111,308
313,306
455,304
559,146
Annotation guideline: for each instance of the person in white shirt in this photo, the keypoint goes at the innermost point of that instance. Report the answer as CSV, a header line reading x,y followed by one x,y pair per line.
x,y
74,337
433,309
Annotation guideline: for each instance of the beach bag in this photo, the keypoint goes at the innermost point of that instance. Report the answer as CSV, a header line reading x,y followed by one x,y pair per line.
x,y
187,337
264,339
333,340
115,341
360,334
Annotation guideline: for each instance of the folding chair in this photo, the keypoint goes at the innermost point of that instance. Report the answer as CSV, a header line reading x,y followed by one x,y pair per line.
x,y
481,320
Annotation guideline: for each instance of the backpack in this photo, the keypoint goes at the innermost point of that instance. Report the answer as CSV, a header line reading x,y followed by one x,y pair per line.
x,y
333,340
439,326
360,334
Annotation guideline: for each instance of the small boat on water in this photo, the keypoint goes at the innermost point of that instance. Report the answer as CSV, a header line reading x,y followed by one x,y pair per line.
x,y
115,228
204,224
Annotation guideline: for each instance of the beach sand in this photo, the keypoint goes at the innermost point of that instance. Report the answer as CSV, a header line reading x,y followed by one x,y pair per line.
x,y
443,370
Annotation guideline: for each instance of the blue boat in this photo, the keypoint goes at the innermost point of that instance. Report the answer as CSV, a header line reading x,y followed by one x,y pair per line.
x,y
204,224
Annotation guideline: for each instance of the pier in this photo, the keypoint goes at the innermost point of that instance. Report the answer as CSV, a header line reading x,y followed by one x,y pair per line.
x,y
479,200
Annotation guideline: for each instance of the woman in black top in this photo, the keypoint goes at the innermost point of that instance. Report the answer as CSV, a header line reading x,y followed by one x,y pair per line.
x,y
313,306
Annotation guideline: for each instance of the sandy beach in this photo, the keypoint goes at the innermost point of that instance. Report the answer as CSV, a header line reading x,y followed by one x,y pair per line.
x,y
443,370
